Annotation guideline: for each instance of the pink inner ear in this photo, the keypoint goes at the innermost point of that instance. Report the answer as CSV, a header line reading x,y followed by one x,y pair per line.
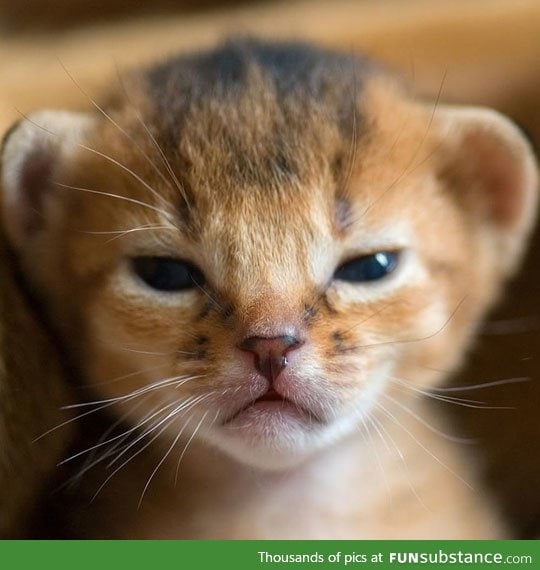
x,y
35,185
500,172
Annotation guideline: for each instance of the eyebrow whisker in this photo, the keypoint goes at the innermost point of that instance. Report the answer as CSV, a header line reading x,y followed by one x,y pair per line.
x,y
115,123
162,155
110,159
117,196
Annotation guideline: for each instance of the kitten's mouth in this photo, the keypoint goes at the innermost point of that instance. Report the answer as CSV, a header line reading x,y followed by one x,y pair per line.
x,y
271,396
271,402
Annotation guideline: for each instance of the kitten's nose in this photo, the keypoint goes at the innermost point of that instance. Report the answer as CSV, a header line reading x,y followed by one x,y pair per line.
x,y
270,353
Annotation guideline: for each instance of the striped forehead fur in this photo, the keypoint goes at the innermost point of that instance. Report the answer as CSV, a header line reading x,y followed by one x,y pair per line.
x,y
256,116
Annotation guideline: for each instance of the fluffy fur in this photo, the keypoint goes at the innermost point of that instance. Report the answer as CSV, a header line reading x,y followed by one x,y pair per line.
x,y
268,165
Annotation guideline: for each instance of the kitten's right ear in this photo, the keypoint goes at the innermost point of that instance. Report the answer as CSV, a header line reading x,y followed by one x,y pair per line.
x,y
490,169
34,153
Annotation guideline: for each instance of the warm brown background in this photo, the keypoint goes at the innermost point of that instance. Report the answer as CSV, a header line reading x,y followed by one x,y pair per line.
x,y
480,51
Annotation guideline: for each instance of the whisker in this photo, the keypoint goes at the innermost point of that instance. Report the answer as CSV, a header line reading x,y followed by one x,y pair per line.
x,y
116,232
113,122
145,184
137,392
374,314
186,446
117,196
133,230
419,339
167,164
465,403
163,459
72,420
407,170
204,290
382,430
185,405
148,352
399,133
123,434
90,461
162,155
450,399
129,459
454,439
154,192
119,234
375,451
422,446
504,382
130,375
354,138
108,404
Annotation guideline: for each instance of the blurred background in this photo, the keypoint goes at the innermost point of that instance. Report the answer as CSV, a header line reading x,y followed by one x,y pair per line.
x,y
476,52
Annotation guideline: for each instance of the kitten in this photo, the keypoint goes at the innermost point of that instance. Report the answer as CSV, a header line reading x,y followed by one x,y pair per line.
x,y
262,256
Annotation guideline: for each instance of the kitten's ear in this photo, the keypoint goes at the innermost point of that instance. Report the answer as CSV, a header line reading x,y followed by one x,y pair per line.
x,y
489,165
34,153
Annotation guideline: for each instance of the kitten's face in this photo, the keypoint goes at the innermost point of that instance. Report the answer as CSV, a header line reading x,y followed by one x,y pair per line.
x,y
268,313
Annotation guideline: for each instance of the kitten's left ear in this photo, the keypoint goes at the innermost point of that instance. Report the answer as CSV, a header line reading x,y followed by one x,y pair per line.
x,y
490,168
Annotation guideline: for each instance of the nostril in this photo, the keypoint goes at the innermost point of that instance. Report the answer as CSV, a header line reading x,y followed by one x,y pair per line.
x,y
290,343
270,353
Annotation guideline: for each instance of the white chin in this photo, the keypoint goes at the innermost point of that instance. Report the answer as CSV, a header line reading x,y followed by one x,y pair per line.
x,y
272,437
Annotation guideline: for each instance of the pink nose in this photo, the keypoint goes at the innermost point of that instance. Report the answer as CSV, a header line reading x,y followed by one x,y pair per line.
x,y
270,353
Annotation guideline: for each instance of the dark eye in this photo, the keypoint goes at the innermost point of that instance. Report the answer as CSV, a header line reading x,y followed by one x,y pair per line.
x,y
368,267
167,273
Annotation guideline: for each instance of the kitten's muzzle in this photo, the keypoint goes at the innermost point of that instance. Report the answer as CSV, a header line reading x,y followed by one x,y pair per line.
x,y
271,355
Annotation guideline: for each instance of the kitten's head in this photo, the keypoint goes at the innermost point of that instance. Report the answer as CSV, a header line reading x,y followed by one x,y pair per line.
x,y
258,242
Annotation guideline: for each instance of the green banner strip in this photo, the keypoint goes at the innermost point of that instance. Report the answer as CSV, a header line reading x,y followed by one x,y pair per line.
x,y
253,555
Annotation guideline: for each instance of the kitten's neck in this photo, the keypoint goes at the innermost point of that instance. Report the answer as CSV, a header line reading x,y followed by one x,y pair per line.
x,y
364,486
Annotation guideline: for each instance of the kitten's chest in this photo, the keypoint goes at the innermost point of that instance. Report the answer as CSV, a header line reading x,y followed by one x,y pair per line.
x,y
357,506
266,509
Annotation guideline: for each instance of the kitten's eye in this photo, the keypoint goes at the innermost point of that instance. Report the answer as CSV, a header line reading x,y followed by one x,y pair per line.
x,y
167,273
368,267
